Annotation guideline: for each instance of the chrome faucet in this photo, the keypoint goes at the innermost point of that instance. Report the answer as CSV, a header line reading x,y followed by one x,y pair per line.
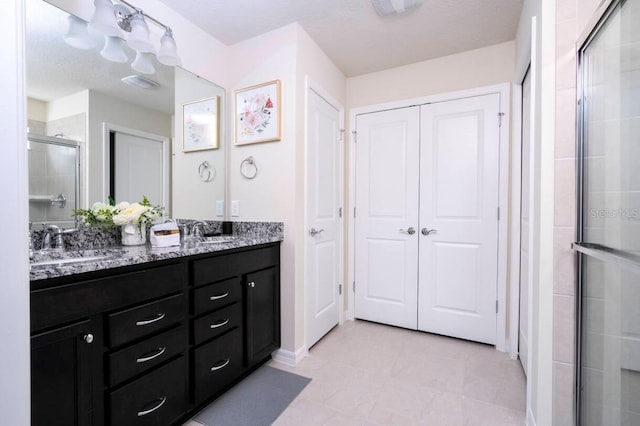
x,y
198,228
52,232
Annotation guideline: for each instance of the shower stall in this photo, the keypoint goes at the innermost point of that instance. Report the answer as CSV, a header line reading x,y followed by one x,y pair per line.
x,y
54,180
608,355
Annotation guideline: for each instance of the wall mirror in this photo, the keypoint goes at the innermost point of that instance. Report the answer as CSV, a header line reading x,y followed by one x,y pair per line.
x,y
129,137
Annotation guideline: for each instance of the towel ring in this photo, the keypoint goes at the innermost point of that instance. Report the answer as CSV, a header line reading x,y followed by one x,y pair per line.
x,y
206,171
249,168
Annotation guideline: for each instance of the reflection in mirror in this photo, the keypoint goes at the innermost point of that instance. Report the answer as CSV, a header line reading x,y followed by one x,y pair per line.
x,y
53,180
78,93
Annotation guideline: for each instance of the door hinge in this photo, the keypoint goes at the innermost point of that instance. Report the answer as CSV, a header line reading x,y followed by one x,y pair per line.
x,y
340,212
498,213
341,136
354,212
354,286
339,288
496,306
355,136
500,115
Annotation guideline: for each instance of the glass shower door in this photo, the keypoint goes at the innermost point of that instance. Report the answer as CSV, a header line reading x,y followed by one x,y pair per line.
x,y
609,221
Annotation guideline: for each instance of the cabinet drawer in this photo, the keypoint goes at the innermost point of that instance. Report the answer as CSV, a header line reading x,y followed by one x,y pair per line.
x,y
143,320
217,364
217,295
80,299
145,355
216,323
216,268
158,398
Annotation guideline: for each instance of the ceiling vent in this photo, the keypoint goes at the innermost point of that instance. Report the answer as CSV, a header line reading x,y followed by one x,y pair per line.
x,y
139,81
394,7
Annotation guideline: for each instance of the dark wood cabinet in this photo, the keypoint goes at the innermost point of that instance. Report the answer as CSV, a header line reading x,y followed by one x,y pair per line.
x,y
150,344
262,314
66,375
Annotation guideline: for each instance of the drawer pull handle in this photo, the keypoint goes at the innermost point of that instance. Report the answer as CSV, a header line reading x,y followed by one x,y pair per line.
x,y
148,357
151,410
223,365
151,320
220,324
219,296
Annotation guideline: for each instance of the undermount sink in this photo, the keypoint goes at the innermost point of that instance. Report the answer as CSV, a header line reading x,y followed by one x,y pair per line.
x,y
44,260
217,240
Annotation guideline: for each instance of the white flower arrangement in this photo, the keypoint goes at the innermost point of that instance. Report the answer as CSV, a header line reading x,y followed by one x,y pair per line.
x,y
121,214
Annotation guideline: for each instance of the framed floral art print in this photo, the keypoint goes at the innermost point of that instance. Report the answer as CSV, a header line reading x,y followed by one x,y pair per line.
x,y
257,113
200,124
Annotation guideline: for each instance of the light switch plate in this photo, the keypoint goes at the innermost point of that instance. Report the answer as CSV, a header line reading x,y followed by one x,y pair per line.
x,y
235,208
219,207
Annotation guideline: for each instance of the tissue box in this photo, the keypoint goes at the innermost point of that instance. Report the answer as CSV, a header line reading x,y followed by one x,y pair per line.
x,y
165,235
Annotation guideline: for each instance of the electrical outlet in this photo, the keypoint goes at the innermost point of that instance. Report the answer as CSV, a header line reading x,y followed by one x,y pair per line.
x,y
235,208
220,208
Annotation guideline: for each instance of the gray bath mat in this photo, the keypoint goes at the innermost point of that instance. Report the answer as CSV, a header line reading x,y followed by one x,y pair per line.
x,y
258,400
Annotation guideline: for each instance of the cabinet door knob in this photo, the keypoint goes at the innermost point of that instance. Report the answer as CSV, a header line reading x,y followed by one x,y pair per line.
x,y
251,284
88,338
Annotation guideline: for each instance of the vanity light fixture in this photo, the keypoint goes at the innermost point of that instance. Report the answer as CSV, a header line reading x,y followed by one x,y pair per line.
x,y
168,53
139,37
142,63
112,20
113,50
77,34
103,21
386,8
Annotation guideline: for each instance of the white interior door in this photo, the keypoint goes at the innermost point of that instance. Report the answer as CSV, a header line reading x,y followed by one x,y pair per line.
x,y
386,241
138,168
523,338
459,174
323,240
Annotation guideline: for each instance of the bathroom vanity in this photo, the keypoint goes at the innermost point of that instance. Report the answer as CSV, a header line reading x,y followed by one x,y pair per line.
x,y
152,335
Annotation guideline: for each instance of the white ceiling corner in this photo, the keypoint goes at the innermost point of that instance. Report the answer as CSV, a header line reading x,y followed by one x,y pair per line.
x,y
353,35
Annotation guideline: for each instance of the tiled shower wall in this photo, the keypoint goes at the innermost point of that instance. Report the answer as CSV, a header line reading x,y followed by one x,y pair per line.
x,y
572,19
52,171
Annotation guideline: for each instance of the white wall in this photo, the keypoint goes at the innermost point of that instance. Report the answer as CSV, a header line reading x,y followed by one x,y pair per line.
x,y
276,194
475,68
105,109
14,288
199,200
36,110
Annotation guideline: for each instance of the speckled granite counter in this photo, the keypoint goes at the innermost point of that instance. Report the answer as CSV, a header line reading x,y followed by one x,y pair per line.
x,y
72,262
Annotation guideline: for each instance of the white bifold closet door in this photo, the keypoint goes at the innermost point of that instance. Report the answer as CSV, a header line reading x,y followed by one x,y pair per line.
x,y
458,267
427,217
387,179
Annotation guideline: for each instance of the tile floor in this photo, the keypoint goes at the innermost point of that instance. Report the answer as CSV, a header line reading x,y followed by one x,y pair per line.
x,y
370,374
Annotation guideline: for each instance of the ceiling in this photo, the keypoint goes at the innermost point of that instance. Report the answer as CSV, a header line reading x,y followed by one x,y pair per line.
x,y
55,69
354,36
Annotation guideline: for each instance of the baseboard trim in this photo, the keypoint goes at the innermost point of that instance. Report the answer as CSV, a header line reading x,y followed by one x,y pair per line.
x,y
290,358
531,421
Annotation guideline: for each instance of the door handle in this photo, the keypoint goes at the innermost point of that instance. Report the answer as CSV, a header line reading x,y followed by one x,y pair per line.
x,y
426,231
313,232
410,230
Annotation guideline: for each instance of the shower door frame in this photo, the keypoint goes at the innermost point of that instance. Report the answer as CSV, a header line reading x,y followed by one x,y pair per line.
x,y
69,143
598,21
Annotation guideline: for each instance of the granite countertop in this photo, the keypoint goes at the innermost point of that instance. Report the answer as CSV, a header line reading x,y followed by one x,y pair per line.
x,y
77,262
